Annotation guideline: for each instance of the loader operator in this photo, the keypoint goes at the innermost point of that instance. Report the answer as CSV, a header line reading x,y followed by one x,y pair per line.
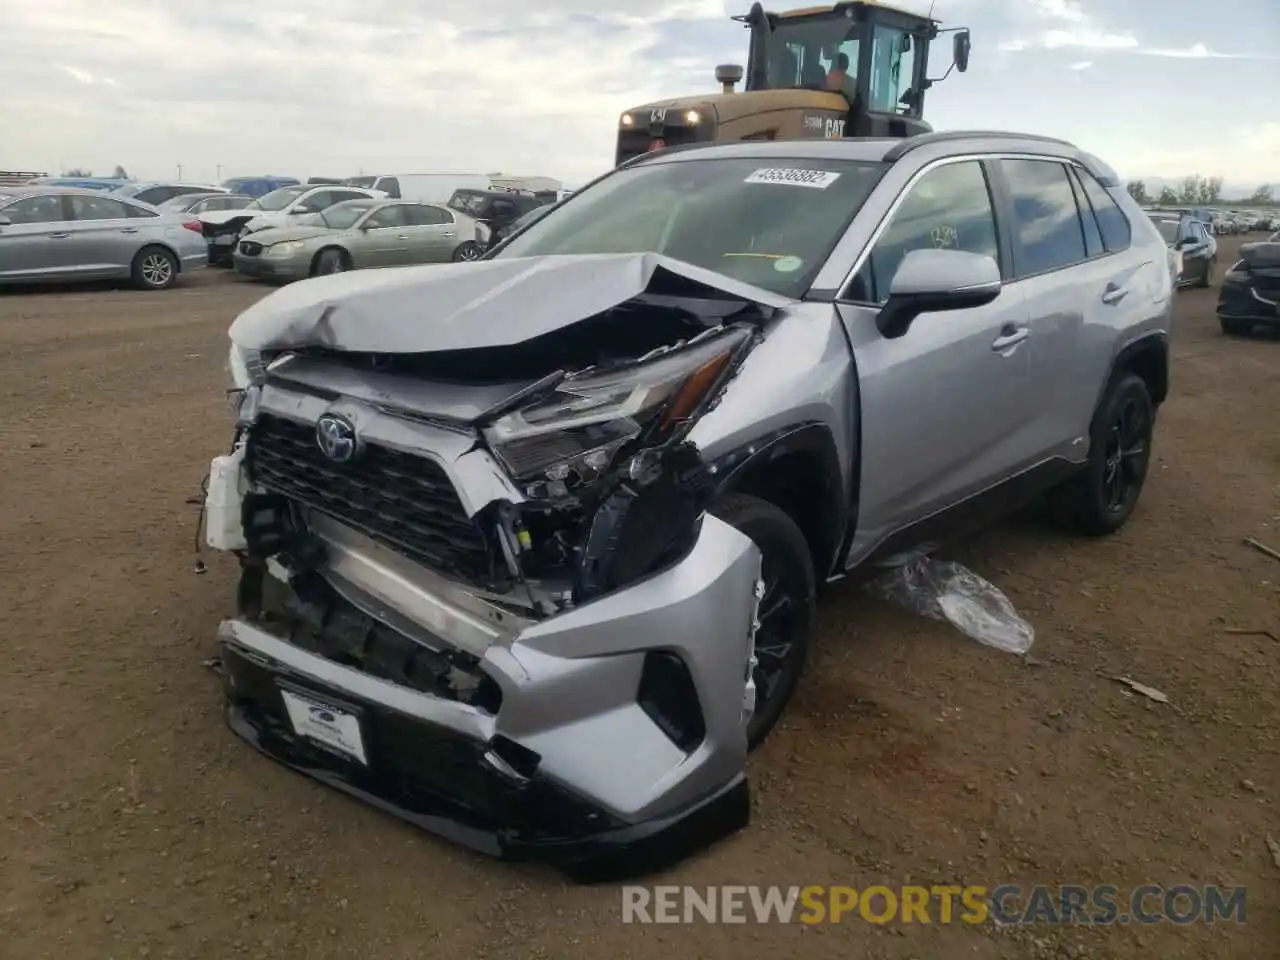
x,y
838,78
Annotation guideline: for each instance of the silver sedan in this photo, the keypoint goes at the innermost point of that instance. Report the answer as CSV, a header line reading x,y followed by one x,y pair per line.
x,y
53,235
359,233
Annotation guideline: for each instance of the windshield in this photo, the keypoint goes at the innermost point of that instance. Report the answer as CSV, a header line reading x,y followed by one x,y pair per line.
x,y
803,52
279,199
343,215
1168,229
366,182
770,223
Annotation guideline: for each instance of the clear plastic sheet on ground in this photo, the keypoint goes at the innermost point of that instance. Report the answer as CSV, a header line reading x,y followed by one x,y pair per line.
x,y
945,590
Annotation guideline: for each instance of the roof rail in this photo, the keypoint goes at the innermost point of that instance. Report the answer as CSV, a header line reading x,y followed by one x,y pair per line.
x,y
946,136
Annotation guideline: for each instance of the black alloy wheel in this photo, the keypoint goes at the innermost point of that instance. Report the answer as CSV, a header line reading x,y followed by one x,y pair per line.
x,y
786,606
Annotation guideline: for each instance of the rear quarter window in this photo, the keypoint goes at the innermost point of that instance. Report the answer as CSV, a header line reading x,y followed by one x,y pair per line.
x,y
1117,232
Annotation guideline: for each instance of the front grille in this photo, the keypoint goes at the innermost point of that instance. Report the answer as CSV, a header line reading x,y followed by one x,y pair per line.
x,y
250,248
634,142
404,501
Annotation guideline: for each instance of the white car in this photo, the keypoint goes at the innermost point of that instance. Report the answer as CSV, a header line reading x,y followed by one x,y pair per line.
x,y
223,228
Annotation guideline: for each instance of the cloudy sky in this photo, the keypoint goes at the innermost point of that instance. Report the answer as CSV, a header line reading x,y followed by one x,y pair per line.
x,y
1159,88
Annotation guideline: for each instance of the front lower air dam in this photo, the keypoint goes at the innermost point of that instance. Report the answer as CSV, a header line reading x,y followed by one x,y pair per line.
x,y
607,740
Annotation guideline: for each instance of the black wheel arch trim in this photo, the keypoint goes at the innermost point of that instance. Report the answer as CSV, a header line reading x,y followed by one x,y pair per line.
x,y
1155,343
810,439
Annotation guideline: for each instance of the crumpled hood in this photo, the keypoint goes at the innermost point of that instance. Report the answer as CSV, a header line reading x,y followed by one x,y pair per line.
x,y
286,233
1261,255
466,306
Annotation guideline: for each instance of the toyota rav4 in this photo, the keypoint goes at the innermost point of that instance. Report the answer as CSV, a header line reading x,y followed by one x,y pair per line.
x,y
529,546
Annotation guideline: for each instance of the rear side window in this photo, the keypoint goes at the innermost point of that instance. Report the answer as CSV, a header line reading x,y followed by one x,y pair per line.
x,y
98,208
1117,234
1092,234
425,215
1046,222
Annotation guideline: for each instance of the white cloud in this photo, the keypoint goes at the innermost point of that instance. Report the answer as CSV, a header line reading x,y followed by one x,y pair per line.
x,y
333,86
1198,51
1081,65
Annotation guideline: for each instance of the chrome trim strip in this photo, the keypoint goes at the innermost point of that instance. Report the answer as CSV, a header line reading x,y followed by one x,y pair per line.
x,y
1261,299
434,603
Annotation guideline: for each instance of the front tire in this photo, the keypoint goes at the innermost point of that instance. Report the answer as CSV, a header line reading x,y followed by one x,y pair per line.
x,y
1100,500
330,261
1207,279
1235,328
154,268
786,609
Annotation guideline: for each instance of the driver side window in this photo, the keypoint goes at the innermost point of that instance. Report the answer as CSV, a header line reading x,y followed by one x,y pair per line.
x,y
949,208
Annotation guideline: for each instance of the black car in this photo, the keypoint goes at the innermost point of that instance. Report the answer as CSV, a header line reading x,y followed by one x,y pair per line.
x,y
495,210
518,224
1190,239
1250,294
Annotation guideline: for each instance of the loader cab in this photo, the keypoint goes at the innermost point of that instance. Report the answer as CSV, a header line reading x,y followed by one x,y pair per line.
x,y
886,52
852,69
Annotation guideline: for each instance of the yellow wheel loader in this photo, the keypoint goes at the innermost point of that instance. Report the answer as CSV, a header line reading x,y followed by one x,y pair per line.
x,y
853,69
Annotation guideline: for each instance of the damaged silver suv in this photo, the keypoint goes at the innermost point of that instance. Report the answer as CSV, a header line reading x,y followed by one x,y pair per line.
x,y
529,546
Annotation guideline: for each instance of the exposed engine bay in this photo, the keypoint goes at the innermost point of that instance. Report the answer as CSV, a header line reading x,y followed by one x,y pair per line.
x,y
587,421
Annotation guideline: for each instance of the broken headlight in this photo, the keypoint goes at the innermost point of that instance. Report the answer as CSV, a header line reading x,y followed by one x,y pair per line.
x,y
245,367
247,372
569,438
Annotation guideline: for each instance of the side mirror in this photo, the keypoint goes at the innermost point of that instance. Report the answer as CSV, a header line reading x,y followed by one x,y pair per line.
x,y
960,50
933,280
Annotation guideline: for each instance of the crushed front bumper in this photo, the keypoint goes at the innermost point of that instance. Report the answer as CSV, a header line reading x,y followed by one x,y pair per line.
x,y
571,768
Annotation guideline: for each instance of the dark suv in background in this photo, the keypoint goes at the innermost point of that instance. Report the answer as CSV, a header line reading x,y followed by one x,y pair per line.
x,y
493,210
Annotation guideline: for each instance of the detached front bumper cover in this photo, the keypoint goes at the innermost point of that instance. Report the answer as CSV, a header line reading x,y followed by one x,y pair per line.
x,y
503,817
568,764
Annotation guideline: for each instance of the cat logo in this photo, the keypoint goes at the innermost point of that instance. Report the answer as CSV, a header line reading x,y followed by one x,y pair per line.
x,y
835,128
658,115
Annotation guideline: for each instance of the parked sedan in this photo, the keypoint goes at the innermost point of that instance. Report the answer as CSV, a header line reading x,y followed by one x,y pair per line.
x,y
54,234
224,229
357,234
1195,250
196,204
1250,295
160,192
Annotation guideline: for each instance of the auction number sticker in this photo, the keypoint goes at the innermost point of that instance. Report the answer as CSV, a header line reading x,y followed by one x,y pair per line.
x,y
815,179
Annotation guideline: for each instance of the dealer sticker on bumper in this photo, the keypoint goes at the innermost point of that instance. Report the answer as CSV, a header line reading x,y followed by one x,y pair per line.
x,y
326,724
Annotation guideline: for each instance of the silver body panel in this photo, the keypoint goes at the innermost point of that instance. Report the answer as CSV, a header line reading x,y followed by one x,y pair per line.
x,y
920,424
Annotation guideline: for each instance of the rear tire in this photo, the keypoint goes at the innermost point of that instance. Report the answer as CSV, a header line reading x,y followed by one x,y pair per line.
x,y
154,268
1101,498
786,610
467,251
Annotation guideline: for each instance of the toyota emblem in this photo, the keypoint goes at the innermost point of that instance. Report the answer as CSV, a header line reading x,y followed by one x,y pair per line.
x,y
336,437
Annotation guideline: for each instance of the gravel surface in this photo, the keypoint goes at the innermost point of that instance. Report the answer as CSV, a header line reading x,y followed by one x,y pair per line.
x,y
135,824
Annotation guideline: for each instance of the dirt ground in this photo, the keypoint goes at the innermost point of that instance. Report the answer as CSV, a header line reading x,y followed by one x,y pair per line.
x,y
135,824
